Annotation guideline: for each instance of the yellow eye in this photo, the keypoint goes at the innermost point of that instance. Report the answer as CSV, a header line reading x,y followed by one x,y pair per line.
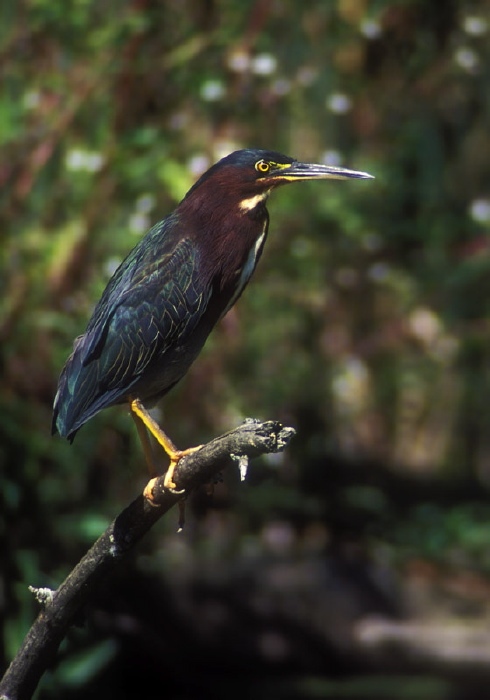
x,y
262,167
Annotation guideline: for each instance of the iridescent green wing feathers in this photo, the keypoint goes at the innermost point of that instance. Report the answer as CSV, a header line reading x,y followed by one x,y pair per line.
x,y
153,302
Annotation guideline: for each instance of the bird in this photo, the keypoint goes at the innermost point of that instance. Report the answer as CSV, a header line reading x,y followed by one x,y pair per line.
x,y
167,295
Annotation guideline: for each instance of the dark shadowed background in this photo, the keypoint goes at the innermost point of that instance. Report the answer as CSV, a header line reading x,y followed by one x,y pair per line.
x,y
357,564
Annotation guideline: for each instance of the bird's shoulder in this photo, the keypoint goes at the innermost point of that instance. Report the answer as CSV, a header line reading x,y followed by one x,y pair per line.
x,y
152,293
152,260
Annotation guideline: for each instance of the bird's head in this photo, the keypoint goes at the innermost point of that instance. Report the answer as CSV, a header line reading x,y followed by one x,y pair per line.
x,y
248,176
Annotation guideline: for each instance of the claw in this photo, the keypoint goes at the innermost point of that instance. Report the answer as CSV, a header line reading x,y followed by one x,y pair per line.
x,y
175,458
148,492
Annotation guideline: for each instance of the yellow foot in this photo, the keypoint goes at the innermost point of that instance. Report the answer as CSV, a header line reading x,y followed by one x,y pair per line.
x,y
168,482
175,458
143,418
148,492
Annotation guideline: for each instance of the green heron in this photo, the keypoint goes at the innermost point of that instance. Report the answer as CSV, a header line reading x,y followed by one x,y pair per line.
x,y
165,298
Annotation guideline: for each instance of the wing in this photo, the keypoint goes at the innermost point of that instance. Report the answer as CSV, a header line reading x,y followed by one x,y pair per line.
x,y
154,300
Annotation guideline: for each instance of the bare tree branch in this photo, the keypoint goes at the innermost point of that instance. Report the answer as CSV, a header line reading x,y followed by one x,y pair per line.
x,y
41,643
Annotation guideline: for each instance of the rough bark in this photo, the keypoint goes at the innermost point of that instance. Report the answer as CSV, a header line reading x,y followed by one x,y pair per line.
x,y
61,607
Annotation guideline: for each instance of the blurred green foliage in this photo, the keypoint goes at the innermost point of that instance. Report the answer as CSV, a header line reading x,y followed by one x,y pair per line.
x,y
366,325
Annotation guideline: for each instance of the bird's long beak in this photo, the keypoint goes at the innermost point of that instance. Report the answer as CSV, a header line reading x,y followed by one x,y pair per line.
x,y
316,171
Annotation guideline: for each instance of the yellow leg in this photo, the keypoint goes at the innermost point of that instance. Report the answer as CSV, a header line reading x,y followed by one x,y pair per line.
x,y
142,417
145,442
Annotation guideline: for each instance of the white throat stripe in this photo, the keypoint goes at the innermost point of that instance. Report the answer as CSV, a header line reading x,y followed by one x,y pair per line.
x,y
251,202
